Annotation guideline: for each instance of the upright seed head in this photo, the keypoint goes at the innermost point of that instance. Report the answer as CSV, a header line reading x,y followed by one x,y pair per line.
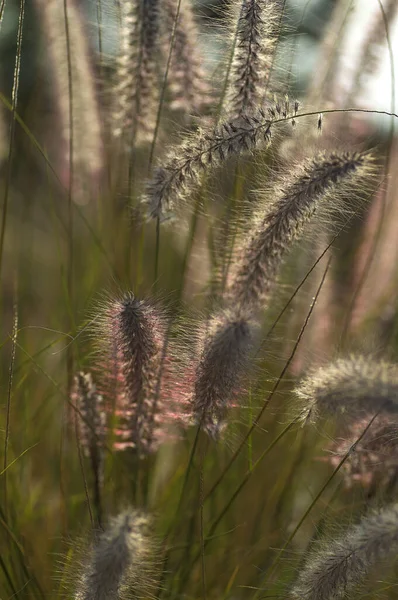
x,y
75,90
116,559
187,78
341,564
223,361
133,333
315,182
135,88
349,387
91,414
255,40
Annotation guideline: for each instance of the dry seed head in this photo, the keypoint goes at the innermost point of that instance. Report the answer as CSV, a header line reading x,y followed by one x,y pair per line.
x,y
314,183
91,416
374,459
117,558
86,121
349,387
187,78
223,361
136,79
132,340
255,41
345,562
172,183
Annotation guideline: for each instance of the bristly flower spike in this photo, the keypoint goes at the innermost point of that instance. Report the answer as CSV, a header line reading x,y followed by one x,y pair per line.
x,y
255,40
136,82
224,358
349,388
202,152
133,334
187,79
75,91
341,564
117,558
314,182
92,428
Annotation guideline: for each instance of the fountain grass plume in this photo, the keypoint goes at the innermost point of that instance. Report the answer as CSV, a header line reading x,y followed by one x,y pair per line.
x,y
223,361
86,121
187,79
254,37
130,340
117,559
341,564
374,461
349,387
330,182
136,85
173,183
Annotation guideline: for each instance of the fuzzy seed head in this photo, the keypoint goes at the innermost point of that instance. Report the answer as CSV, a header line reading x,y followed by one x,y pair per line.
x,y
174,182
116,558
349,387
134,334
273,234
343,563
374,459
223,361
254,48
92,417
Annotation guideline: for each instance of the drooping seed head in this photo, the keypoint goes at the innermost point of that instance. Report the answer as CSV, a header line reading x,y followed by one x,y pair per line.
x,y
318,183
341,564
172,183
91,415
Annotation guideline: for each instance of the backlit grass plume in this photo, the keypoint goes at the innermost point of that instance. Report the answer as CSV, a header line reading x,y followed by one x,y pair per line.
x,y
174,181
187,78
66,45
136,79
92,421
117,559
349,387
131,339
319,181
342,563
223,361
374,459
254,38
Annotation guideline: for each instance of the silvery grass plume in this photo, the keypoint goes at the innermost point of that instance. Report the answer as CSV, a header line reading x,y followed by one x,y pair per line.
x,y
323,181
374,461
173,183
187,79
91,418
254,37
224,358
131,340
135,89
67,47
349,387
116,561
343,563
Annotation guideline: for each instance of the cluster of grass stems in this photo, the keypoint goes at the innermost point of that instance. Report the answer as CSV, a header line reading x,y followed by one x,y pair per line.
x,y
192,405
